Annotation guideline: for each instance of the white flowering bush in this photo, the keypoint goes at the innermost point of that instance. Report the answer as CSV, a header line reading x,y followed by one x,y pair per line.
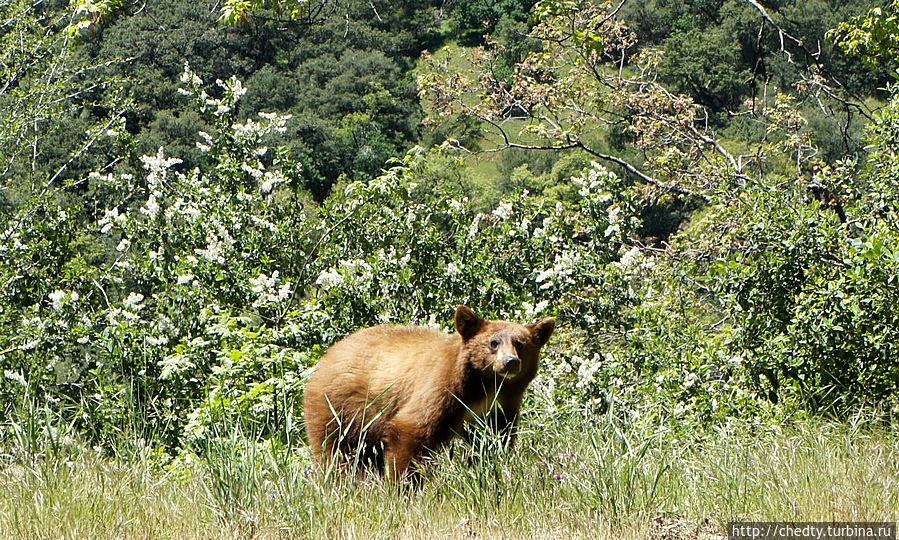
x,y
222,285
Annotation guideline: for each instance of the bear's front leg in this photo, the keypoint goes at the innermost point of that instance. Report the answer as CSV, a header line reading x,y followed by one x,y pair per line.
x,y
504,418
500,423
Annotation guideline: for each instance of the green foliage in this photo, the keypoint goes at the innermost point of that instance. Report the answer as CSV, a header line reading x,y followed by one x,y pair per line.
x,y
239,11
737,52
227,286
706,65
874,36
162,297
339,70
474,18
255,379
90,337
781,282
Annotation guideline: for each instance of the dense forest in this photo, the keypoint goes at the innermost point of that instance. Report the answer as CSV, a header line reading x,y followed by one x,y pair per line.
x,y
198,198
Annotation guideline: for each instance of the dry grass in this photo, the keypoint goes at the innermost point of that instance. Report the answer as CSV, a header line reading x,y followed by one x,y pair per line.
x,y
574,479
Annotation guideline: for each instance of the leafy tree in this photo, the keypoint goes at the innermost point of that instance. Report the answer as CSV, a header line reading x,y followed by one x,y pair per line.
x,y
874,36
474,18
786,251
345,81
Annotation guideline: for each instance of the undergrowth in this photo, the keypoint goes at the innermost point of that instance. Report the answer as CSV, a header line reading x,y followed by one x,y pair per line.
x,y
567,476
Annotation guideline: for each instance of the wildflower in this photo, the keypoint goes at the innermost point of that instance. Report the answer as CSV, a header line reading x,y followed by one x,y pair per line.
x,y
503,210
151,208
192,212
270,181
475,225
133,300
110,218
213,251
156,167
532,310
15,376
262,282
161,340
630,259
252,171
58,299
329,278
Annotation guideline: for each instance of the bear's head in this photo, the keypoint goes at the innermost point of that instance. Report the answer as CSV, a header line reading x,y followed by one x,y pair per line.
x,y
504,348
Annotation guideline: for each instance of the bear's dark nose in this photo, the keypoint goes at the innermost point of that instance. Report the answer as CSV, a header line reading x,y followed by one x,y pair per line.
x,y
512,363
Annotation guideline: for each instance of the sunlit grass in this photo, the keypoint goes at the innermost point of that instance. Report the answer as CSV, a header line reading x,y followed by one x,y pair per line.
x,y
564,478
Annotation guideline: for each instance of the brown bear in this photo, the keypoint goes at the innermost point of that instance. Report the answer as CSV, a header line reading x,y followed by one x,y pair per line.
x,y
389,395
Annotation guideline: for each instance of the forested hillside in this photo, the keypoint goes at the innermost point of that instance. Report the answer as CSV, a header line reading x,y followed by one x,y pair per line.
x,y
198,198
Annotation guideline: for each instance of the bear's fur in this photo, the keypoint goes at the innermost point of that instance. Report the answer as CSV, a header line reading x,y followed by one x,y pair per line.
x,y
389,395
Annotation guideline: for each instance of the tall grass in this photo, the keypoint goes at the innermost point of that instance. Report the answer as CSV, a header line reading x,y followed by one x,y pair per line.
x,y
567,476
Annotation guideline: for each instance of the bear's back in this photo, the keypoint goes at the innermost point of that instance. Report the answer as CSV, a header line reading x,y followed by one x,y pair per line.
x,y
385,360
388,351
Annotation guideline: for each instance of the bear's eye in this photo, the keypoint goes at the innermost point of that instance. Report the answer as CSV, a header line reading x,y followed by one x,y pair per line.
x,y
519,344
494,343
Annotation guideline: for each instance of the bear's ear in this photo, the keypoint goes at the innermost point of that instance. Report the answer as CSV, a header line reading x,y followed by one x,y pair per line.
x,y
467,322
542,330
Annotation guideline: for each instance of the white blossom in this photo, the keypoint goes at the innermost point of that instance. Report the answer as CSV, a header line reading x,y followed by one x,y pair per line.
x,y
156,167
329,278
15,376
213,251
562,270
252,171
58,298
192,212
271,179
266,287
457,206
615,222
630,259
475,225
503,210
263,223
110,218
151,207
134,300
233,85
532,310
154,341
587,369
189,77
263,282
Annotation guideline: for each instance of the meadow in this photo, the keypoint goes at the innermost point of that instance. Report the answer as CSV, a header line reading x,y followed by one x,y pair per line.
x,y
707,207
569,476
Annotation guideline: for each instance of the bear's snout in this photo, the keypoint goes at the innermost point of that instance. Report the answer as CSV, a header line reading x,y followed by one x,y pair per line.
x,y
511,364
